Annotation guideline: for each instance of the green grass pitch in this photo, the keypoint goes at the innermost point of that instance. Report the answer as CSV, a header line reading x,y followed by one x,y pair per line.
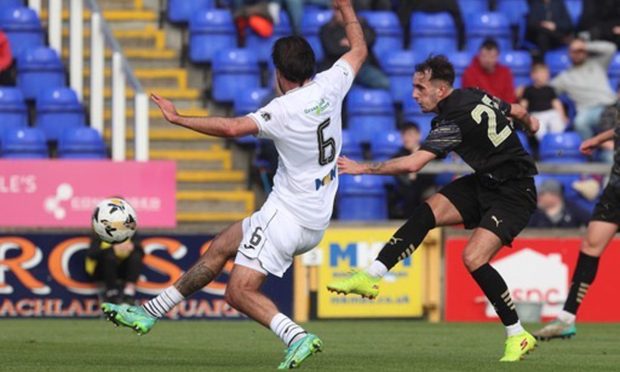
x,y
96,345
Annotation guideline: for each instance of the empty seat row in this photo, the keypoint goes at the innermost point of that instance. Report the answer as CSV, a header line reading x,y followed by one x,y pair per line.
x,y
31,143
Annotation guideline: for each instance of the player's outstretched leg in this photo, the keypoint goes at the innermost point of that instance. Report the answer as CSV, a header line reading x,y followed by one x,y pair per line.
x,y
142,318
598,236
243,293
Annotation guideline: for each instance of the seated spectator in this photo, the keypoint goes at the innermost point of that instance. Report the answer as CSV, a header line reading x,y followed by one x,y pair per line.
x,y
335,44
486,73
556,212
600,19
117,266
7,70
587,84
409,190
548,25
542,102
261,15
432,6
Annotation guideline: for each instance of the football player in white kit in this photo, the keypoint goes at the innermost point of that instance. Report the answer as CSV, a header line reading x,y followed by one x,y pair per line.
x,y
305,124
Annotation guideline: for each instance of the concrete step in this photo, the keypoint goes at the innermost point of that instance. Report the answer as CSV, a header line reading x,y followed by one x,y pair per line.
x,y
111,15
224,176
149,54
239,201
147,37
215,158
168,92
171,78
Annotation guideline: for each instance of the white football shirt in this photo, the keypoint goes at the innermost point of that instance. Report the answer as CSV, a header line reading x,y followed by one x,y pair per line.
x,y
306,127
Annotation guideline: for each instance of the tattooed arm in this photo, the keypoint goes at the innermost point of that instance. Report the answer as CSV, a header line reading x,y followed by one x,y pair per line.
x,y
404,164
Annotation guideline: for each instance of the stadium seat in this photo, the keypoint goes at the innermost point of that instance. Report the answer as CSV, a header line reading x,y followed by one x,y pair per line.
x,y
520,62
557,60
385,145
515,10
460,61
388,31
614,72
250,100
412,112
371,111
13,110
574,8
81,143
262,46
399,66
23,28
181,11
39,69
24,143
469,7
351,146
525,141
209,32
492,24
561,148
234,70
432,33
362,198
58,109
311,24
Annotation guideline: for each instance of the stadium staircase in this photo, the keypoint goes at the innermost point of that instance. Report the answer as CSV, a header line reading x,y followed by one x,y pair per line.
x,y
211,182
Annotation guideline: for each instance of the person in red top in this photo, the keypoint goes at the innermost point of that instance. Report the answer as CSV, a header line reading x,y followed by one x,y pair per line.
x,y
487,74
6,61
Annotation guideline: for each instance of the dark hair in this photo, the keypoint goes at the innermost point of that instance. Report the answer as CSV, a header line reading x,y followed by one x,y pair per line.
x,y
409,125
539,64
440,68
489,44
294,58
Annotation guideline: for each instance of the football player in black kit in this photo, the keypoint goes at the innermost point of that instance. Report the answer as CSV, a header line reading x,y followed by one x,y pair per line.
x,y
496,201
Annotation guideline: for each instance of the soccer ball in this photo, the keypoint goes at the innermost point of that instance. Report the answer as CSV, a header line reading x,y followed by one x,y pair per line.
x,y
114,220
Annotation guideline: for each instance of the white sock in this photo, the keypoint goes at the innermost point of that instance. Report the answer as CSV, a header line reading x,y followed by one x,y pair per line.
x,y
515,329
377,269
566,317
158,307
130,289
286,329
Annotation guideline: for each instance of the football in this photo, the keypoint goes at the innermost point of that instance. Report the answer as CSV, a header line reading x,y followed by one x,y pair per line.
x,y
114,220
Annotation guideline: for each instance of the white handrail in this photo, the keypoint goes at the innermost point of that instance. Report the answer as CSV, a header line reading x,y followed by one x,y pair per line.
x,y
35,5
118,107
55,24
97,63
76,43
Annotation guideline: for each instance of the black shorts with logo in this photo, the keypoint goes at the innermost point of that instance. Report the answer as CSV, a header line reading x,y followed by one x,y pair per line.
x,y
504,209
608,207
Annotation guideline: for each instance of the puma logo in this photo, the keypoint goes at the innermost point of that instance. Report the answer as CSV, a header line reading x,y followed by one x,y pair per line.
x,y
496,220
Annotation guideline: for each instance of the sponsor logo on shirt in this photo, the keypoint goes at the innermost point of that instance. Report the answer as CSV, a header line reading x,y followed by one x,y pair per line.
x,y
319,108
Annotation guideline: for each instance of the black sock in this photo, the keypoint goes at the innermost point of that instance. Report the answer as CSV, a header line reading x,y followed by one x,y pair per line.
x,y
584,275
496,290
408,237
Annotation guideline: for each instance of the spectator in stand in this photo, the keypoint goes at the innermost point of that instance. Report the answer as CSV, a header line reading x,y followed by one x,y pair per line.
x,y
335,44
549,25
542,102
261,15
486,73
600,19
432,6
587,84
6,61
556,212
409,190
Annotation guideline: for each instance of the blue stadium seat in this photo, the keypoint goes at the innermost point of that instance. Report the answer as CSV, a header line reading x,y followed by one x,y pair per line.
x,y
385,145
469,7
574,8
412,112
81,143
525,141
399,66
39,69
485,25
311,24
13,110
520,62
460,61
561,148
432,33
58,109
351,146
389,32
557,60
371,111
209,32
234,70
362,198
11,3
24,143
23,28
261,46
181,11
515,10
614,72
250,100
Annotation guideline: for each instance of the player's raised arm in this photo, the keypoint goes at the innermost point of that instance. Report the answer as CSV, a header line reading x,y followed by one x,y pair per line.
x,y
212,126
404,164
591,144
520,114
355,35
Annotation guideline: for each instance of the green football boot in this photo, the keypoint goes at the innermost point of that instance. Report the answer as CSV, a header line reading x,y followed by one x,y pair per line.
x,y
300,351
134,317
360,283
556,329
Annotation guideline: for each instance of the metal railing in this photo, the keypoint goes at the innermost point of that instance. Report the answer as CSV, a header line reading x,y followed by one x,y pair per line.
x,y
101,37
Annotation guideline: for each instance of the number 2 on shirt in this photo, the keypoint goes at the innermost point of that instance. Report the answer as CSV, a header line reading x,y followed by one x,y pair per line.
x,y
486,108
